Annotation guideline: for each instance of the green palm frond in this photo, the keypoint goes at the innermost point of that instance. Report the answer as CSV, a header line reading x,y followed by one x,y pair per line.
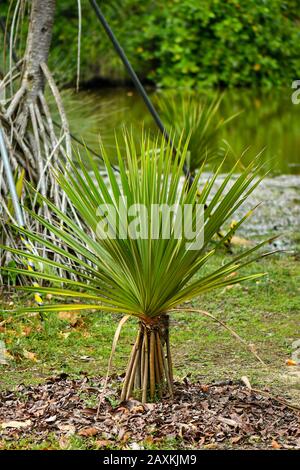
x,y
199,119
144,276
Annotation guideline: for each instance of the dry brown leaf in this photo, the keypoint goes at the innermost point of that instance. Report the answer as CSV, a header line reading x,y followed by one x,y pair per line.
x,y
121,434
235,440
246,382
3,353
290,362
135,446
275,445
231,275
88,432
150,406
150,440
16,424
212,445
26,331
239,241
232,286
122,409
64,442
7,354
6,321
29,355
198,425
33,314
51,419
230,422
102,443
67,428
70,317
65,335
138,409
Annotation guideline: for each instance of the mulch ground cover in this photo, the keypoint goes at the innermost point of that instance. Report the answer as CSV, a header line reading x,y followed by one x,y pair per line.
x,y
224,415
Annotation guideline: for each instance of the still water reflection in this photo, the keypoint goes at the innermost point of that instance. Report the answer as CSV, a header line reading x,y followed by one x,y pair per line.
x,y
268,120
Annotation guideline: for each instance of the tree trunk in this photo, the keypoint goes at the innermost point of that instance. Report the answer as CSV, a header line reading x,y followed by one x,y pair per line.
x,y
149,370
30,134
32,137
38,45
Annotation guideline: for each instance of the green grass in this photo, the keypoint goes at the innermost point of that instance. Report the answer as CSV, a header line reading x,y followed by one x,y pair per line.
x,y
83,443
264,312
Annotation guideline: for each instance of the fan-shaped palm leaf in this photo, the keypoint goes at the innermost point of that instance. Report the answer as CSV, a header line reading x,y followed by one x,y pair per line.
x,y
142,276
201,121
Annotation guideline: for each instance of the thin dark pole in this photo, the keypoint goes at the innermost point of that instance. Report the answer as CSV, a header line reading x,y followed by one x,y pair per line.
x,y
130,70
137,83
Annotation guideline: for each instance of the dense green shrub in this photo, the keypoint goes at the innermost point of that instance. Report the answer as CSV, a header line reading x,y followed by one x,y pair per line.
x,y
184,42
217,42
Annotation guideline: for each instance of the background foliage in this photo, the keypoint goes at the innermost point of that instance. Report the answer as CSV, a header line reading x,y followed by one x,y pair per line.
x,y
184,42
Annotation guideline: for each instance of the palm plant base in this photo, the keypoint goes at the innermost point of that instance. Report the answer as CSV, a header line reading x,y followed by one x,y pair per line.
x,y
149,372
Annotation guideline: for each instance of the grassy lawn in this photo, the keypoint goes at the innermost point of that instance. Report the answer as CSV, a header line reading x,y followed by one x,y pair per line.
x,y
264,312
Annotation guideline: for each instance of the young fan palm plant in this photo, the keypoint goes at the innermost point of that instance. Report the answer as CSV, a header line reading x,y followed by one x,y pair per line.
x,y
200,121
126,266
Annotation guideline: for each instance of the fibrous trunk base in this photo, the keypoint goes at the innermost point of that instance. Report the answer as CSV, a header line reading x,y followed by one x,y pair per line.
x,y
149,371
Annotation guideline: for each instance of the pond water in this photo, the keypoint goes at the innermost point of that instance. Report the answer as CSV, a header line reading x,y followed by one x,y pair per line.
x,y
268,120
